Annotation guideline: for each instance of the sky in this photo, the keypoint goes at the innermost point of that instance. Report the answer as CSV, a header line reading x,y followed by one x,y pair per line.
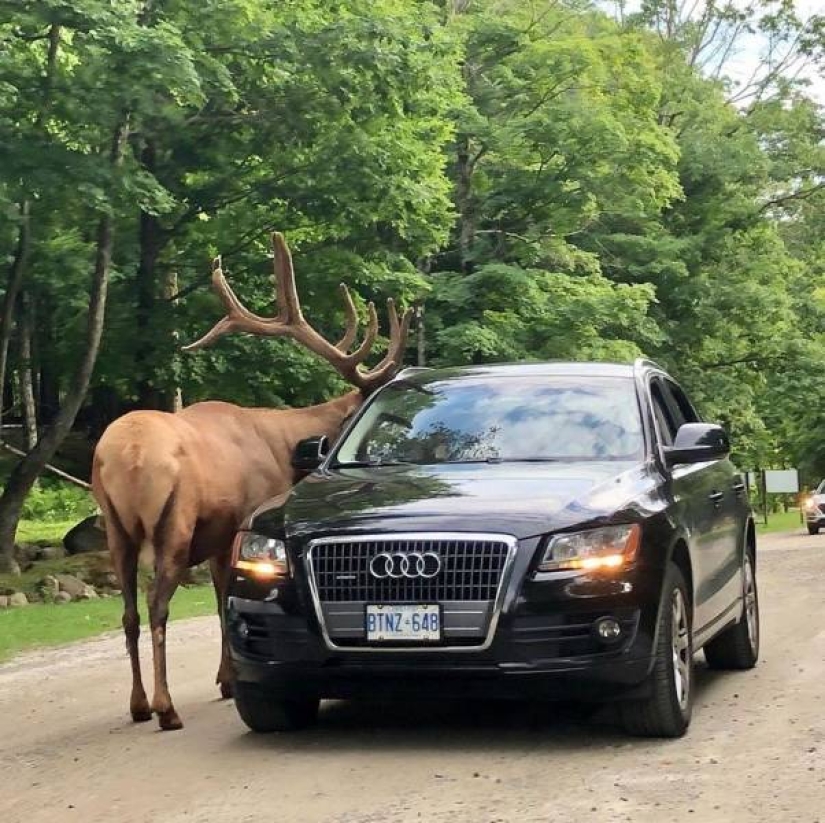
x,y
751,50
743,64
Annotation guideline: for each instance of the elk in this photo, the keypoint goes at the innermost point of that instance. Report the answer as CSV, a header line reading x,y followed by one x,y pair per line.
x,y
175,487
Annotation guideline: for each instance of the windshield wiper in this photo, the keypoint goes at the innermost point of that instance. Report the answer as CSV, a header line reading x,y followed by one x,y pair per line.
x,y
497,460
369,464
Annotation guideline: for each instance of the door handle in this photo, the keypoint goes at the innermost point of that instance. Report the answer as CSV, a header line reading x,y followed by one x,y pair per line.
x,y
716,498
738,489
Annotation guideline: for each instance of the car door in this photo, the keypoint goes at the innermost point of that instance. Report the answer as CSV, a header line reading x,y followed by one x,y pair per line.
x,y
690,488
719,584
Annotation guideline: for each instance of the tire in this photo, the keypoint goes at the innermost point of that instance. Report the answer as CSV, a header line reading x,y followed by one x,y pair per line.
x,y
667,710
738,646
264,712
813,529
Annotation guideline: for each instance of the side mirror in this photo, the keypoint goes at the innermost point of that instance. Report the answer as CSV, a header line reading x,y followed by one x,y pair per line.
x,y
696,443
310,453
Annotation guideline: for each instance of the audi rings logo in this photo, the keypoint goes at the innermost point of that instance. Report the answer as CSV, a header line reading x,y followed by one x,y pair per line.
x,y
397,565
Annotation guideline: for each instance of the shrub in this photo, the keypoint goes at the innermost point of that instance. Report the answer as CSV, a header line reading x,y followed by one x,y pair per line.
x,y
50,501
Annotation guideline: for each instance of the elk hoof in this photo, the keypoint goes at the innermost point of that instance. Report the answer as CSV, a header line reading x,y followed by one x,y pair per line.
x,y
169,721
227,690
141,715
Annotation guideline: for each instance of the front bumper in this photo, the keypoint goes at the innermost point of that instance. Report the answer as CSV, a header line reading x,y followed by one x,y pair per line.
x,y
815,516
543,647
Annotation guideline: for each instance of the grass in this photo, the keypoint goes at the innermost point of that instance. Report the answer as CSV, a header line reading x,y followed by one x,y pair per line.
x,y
42,531
39,626
778,522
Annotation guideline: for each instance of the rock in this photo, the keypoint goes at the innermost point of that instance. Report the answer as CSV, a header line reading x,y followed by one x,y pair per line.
x,y
4,601
86,536
89,593
50,586
26,552
62,597
18,599
51,553
71,585
13,569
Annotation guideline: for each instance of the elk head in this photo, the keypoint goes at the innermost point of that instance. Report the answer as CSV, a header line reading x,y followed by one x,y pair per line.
x,y
290,322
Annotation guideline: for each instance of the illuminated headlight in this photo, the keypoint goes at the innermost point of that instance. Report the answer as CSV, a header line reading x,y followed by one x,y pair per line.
x,y
261,555
602,549
810,504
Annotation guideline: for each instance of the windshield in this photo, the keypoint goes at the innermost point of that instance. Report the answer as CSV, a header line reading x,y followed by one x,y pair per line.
x,y
821,489
507,419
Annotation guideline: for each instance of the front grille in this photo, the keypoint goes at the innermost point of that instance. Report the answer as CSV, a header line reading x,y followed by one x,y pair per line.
x,y
472,574
822,507
470,571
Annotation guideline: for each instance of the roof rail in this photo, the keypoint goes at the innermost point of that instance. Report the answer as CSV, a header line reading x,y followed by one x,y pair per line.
x,y
641,363
408,370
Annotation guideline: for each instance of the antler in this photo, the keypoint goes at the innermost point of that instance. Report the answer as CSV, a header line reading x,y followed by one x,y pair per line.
x,y
290,322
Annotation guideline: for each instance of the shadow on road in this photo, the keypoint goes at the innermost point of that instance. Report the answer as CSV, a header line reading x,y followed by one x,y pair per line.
x,y
466,725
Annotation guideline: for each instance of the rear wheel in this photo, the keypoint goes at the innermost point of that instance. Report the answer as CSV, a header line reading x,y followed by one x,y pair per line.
x,y
813,529
666,712
264,712
738,646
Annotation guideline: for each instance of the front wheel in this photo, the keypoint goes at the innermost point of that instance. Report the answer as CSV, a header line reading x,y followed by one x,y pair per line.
x,y
738,646
264,712
666,712
813,529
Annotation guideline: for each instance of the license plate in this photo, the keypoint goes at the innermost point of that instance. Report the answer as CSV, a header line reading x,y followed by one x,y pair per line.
x,y
403,622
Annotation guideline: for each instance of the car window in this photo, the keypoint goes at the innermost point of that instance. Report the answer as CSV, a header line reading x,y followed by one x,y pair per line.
x,y
665,422
515,418
683,408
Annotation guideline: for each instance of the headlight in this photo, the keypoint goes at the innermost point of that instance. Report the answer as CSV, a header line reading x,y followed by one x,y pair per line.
x,y
810,504
595,549
261,555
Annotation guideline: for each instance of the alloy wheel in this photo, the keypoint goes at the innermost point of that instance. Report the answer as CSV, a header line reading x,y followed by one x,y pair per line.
x,y
751,606
681,649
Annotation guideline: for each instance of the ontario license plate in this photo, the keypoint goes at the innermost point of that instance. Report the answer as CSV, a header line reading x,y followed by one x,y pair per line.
x,y
403,622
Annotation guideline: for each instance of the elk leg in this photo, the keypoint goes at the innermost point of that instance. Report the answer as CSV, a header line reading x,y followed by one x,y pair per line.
x,y
225,678
165,583
124,560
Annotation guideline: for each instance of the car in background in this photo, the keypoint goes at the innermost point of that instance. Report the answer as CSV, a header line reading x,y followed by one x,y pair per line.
x,y
815,510
520,531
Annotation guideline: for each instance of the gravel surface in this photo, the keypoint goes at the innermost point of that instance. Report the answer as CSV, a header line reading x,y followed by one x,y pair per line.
x,y
754,752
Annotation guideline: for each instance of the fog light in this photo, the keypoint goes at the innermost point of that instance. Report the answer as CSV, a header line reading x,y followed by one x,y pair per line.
x,y
608,629
243,629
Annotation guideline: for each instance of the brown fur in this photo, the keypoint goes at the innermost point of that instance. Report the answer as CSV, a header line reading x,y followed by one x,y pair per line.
x,y
177,487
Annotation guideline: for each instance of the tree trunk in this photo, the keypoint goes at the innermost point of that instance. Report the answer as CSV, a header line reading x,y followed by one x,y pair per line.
x,y
24,371
420,337
15,280
174,399
27,471
464,204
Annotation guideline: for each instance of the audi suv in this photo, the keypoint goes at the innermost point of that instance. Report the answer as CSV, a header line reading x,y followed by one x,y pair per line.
x,y
519,531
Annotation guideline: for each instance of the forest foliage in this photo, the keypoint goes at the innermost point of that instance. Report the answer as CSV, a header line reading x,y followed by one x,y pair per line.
x,y
541,178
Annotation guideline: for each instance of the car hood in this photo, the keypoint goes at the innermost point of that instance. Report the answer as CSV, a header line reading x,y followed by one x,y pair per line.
x,y
521,499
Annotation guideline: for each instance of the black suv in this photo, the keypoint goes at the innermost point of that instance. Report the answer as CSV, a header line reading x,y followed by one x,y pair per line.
x,y
538,531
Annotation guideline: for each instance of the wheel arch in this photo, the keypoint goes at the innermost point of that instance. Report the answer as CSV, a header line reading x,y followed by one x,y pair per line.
x,y
750,540
680,555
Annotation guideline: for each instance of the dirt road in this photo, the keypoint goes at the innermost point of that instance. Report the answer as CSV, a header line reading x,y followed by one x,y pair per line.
x,y
755,752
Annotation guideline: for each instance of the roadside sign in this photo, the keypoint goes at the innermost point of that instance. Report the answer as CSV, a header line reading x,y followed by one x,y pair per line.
x,y
781,481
